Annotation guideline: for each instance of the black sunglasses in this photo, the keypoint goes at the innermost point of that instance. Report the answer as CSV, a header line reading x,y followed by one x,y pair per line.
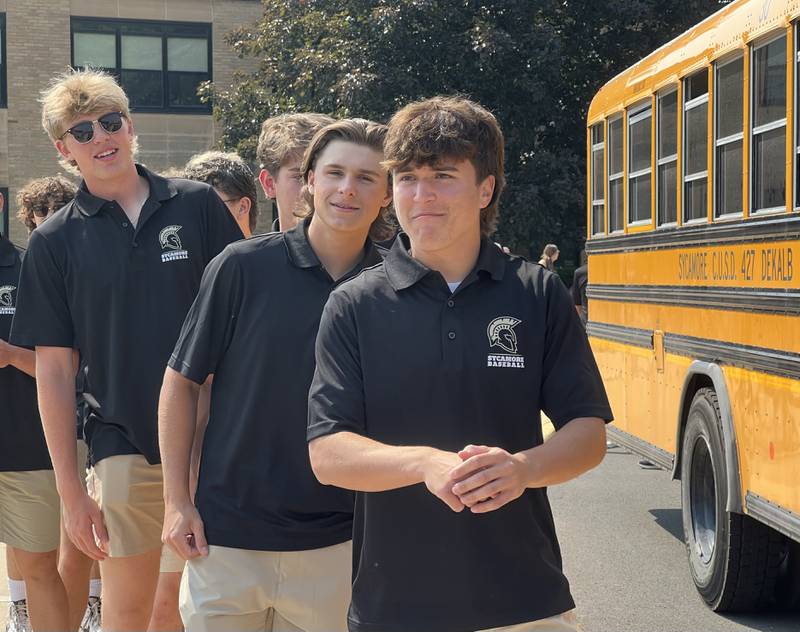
x,y
83,132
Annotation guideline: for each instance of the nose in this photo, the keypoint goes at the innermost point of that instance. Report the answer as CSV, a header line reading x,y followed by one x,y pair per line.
x,y
100,134
347,185
422,191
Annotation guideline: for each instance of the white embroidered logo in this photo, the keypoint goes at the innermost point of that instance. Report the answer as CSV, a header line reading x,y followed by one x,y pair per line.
x,y
6,299
501,334
171,244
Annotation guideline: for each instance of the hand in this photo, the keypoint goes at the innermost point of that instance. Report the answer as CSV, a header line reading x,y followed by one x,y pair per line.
x,y
439,479
488,478
84,525
6,354
184,532
503,248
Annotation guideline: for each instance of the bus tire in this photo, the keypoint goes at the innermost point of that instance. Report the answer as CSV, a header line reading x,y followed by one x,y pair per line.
x,y
734,560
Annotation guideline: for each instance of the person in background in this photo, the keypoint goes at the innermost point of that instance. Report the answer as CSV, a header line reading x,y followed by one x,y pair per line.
x,y
233,181
578,288
281,145
549,257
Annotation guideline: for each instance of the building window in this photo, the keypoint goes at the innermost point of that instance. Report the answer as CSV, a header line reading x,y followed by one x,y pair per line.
x,y
769,126
598,179
3,94
640,171
4,212
667,158
729,137
615,176
159,64
695,147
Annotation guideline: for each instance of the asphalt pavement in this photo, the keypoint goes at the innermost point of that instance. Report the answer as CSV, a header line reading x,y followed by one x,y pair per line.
x,y
621,538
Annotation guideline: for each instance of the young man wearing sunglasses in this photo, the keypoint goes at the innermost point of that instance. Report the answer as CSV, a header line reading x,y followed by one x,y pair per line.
x,y
111,276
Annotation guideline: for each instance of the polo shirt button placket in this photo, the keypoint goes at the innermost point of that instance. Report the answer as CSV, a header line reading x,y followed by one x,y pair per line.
x,y
451,303
451,335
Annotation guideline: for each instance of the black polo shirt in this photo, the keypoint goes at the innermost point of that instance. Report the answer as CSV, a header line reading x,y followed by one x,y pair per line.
x,y
119,295
253,326
405,362
22,447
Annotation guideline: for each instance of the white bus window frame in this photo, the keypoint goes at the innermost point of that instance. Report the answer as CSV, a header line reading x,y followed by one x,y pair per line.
x,y
636,114
726,140
601,201
699,175
613,177
666,160
762,129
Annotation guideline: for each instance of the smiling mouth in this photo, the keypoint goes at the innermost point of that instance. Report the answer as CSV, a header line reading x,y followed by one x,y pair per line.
x,y
106,154
344,207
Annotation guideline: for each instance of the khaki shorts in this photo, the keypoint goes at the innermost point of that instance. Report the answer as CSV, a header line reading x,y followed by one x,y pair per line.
x,y
83,452
30,512
273,591
564,622
130,493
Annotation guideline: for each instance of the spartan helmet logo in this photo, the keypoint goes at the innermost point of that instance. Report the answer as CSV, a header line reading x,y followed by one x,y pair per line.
x,y
5,295
501,333
169,239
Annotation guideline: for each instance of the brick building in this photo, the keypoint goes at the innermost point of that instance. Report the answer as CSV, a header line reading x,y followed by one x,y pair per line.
x,y
159,49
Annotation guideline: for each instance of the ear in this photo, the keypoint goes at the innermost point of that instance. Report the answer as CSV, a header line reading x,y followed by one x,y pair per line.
x,y
245,204
486,191
311,182
388,198
61,146
267,183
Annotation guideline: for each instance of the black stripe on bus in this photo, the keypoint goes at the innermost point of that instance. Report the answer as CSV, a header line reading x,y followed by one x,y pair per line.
x,y
777,228
641,447
770,301
775,516
760,359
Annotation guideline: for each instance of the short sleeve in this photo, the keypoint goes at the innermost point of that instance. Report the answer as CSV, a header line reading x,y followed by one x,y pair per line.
x,y
210,323
42,316
222,228
336,398
575,289
571,383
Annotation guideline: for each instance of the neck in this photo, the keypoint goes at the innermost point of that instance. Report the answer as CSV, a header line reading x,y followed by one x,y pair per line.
x,y
124,185
338,251
453,263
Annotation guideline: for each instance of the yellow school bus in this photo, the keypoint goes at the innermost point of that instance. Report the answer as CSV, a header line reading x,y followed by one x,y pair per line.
x,y
693,212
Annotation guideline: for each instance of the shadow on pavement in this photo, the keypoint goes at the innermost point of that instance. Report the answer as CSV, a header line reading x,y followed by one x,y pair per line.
x,y
670,520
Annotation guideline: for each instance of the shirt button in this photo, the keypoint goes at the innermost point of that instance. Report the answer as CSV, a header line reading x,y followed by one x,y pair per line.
x,y
124,224
451,303
451,335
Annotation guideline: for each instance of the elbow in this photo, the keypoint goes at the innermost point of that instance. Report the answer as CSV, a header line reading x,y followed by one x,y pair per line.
x,y
317,454
599,446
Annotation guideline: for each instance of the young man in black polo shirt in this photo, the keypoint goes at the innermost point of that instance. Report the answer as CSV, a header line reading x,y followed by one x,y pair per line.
x,y
431,371
29,515
268,546
112,276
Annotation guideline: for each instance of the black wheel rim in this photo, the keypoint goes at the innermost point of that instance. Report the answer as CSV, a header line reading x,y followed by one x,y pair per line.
x,y
703,500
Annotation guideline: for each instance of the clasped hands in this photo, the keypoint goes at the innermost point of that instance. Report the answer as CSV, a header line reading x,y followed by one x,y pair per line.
x,y
479,478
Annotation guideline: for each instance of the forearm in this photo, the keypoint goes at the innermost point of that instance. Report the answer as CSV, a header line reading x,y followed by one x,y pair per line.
x,y
578,447
177,413
23,359
351,461
203,412
56,389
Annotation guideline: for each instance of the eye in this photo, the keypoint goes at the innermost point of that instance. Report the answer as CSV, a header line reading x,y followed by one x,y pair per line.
x,y
366,178
443,176
406,177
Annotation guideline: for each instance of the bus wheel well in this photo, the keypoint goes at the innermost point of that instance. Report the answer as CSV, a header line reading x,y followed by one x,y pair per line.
x,y
694,384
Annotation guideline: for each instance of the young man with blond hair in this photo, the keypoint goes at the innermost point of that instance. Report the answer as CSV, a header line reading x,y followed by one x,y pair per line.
x,y
281,144
268,546
111,277
431,372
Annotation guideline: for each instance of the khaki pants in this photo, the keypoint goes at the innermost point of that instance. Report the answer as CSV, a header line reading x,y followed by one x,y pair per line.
x,y
30,512
268,591
564,622
130,493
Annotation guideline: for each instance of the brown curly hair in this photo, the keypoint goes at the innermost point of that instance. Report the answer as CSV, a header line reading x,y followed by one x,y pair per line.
x,y
41,196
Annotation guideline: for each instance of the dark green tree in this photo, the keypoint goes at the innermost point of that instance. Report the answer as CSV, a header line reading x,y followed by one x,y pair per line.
x,y
534,63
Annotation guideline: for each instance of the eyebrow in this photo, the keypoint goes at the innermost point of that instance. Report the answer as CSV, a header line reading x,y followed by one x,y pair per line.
x,y
439,167
368,171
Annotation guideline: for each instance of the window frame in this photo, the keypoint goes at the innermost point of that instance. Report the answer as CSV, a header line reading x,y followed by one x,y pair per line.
x,y
3,62
766,127
613,177
642,111
164,29
686,177
660,162
601,201
796,113
727,140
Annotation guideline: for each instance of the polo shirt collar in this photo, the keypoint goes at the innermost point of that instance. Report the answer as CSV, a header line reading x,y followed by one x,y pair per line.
x,y
302,254
160,189
404,271
8,253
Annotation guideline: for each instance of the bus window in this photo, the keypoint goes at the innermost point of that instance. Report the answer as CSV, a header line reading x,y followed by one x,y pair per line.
x,y
769,126
598,199
667,157
615,172
695,147
729,137
639,164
